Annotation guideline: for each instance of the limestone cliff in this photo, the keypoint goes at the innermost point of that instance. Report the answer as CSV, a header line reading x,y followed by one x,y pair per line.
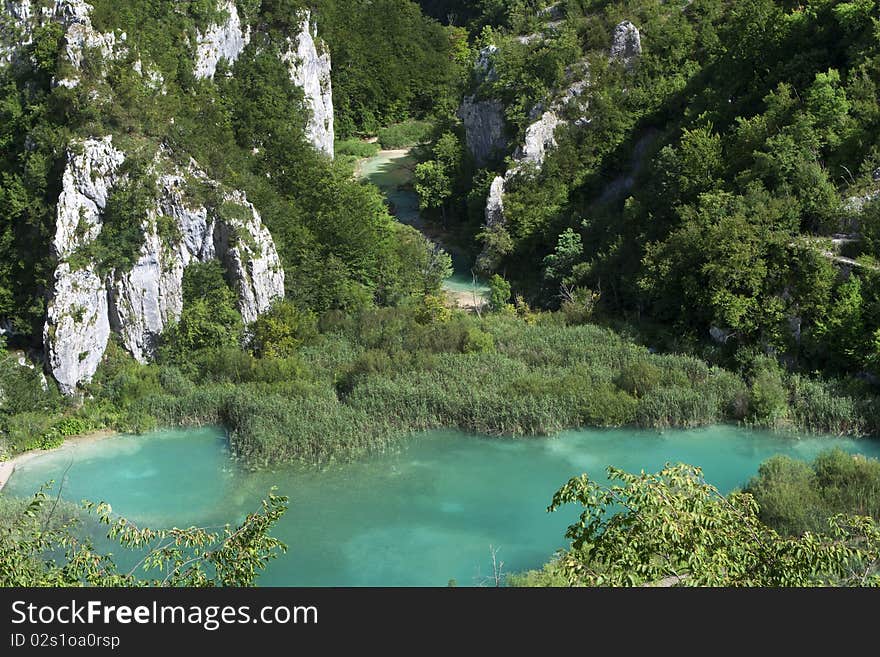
x,y
21,17
483,118
225,40
626,44
309,64
139,304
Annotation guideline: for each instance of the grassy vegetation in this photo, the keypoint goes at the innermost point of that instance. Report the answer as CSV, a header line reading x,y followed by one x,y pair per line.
x,y
356,383
405,135
356,148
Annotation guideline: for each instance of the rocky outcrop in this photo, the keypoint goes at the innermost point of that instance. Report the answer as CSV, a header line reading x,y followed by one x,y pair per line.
x,y
88,178
140,303
309,64
495,202
626,44
484,67
224,40
23,16
16,28
483,119
539,140
77,326
81,36
485,131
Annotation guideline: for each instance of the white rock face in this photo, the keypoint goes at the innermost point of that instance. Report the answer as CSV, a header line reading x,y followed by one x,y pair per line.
x,y
24,16
77,326
484,128
85,186
309,64
626,44
149,297
495,202
139,304
74,15
16,28
540,138
224,41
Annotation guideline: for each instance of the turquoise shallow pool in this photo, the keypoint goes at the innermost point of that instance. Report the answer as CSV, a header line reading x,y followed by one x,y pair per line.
x,y
422,515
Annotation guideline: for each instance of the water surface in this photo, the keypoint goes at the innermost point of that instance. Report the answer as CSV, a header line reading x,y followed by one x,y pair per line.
x,y
420,515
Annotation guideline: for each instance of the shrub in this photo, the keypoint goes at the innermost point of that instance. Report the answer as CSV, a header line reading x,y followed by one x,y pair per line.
x,y
356,148
282,330
638,378
607,406
499,293
795,497
404,135
25,431
477,342
768,397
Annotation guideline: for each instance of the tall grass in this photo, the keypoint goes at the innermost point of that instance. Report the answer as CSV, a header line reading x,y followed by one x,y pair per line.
x,y
405,135
375,377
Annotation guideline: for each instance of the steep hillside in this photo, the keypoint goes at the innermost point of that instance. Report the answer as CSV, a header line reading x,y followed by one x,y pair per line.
x,y
142,137
710,167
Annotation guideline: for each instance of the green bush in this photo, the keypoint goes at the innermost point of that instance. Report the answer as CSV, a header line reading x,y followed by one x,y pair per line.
x,y
21,388
356,148
795,497
638,378
768,398
477,341
25,431
404,135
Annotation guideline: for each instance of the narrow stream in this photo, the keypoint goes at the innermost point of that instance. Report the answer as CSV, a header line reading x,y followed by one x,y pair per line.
x,y
392,172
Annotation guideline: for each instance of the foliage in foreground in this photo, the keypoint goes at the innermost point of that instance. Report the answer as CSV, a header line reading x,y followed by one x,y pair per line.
x,y
671,528
796,497
194,556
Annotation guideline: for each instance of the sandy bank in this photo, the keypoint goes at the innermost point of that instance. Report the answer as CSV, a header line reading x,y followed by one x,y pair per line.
x,y
8,467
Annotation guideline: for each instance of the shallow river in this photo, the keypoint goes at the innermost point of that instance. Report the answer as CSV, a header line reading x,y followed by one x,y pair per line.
x,y
421,515
392,172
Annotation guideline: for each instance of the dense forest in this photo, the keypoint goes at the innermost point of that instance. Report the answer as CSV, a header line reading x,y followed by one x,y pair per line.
x,y
696,243
724,182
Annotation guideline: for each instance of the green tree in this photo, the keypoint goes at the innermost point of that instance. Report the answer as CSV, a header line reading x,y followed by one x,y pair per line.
x,y
209,317
433,186
499,293
230,556
842,329
671,528
281,331
559,265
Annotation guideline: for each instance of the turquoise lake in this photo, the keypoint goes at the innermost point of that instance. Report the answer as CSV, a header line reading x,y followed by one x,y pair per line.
x,y
420,515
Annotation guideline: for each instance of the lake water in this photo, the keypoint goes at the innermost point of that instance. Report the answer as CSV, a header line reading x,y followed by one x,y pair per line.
x,y
423,514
